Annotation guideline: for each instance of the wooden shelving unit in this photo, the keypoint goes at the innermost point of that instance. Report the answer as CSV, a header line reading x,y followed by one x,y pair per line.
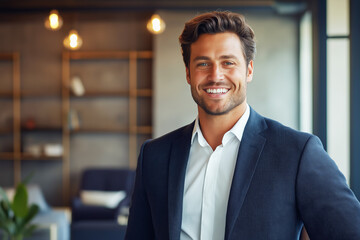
x,y
133,128
132,93
16,131
15,156
6,156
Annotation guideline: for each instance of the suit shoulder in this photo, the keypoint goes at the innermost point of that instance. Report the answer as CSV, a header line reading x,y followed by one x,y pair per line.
x,y
166,140
287,134
273,129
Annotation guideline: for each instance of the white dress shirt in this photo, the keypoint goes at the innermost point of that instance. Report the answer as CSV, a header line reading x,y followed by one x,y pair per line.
x,y
207,183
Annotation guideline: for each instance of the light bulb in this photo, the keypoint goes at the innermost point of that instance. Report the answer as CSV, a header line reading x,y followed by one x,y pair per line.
x,y
156,25
54,21
73,41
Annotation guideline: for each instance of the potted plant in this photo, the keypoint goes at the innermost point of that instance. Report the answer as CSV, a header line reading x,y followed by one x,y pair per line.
x,y
15,216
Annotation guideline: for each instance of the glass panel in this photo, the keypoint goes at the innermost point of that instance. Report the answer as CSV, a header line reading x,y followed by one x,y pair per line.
x,y
338,103
337,13
306,97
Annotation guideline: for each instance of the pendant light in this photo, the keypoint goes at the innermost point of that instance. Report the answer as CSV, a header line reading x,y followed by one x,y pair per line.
x,y
156,25
73,41
53,21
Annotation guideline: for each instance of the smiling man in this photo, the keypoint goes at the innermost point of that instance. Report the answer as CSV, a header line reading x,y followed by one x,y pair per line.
x,y
233,174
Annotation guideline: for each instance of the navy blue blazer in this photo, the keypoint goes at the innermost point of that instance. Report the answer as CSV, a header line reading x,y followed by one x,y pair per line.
x,y
283,180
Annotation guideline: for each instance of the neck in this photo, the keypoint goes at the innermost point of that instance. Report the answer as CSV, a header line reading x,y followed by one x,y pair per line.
x,y
213,127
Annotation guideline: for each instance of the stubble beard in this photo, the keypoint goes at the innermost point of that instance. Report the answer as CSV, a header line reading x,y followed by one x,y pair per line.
x,y
233,102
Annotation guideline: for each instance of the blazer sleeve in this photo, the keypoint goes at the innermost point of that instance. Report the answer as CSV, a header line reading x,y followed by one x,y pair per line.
x,y
140,224
326,204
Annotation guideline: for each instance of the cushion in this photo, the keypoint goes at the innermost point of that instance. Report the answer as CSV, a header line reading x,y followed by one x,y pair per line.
x,y
109,199
35,196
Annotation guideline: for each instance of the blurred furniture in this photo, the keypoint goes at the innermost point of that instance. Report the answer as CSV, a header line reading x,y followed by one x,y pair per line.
x,y
106,184
44,232
56,220
52,224
95,230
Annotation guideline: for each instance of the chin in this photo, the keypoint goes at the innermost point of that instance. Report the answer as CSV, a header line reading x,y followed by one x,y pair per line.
x,y
216,112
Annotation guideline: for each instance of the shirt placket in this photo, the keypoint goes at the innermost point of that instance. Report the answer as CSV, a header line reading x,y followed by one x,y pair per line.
x,y
209,191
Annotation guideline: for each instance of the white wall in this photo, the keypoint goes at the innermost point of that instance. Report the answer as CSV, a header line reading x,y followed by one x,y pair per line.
x,y
273,92
173,105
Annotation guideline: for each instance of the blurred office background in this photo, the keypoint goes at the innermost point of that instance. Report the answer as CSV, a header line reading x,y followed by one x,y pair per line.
x,y
306,76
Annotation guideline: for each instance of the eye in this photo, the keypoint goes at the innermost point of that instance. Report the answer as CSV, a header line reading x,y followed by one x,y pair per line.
x,y
228,63
202,64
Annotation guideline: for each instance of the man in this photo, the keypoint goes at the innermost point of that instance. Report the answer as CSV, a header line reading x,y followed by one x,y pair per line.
x,y
233,174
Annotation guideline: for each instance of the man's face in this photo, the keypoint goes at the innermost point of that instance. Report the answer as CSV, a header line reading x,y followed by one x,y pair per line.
x,y
218,73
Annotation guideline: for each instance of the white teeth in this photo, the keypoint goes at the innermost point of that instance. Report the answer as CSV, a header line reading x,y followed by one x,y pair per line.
x,y
217,91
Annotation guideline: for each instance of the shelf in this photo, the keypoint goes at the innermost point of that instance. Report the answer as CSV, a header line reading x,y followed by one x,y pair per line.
x,y
6,131
6,156
7,56
6,94
109,55
124,93
141,93
42,129
39,94
135,130
28,157
102,94
142,129
100,130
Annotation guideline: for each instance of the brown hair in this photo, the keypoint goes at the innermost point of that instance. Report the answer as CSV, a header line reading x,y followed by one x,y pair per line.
x,y
218,22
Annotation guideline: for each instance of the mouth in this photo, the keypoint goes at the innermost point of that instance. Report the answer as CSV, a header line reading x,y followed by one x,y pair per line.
x,y
216,90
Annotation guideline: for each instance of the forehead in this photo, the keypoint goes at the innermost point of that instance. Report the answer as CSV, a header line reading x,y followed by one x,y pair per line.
x,y
216,45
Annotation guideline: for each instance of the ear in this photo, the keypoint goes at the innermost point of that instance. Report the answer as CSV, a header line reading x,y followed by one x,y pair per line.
x,y
187,75
250,71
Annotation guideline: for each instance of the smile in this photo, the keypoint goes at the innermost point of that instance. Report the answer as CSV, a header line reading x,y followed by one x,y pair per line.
x,y
217,90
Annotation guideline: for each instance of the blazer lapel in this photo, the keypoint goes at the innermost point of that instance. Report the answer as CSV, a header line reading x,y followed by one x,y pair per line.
x,y
177,169
250,149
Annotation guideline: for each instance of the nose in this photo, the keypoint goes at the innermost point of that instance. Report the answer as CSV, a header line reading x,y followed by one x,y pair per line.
x,y
216,73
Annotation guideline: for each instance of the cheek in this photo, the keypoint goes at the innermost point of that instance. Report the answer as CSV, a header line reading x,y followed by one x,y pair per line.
x,y
197,77
237,77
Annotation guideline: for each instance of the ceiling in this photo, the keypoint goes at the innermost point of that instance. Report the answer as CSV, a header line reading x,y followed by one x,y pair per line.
x,y
17,6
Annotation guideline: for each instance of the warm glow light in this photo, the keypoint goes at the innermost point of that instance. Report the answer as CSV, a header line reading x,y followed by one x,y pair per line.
x,y
73,41
54,21
156,25
73,37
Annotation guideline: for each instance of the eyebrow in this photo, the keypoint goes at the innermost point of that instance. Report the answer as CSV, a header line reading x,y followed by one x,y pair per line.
x,y
228,57
200,58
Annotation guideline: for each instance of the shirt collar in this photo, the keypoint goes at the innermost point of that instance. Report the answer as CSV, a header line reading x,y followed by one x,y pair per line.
x,y
197,133
237,130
